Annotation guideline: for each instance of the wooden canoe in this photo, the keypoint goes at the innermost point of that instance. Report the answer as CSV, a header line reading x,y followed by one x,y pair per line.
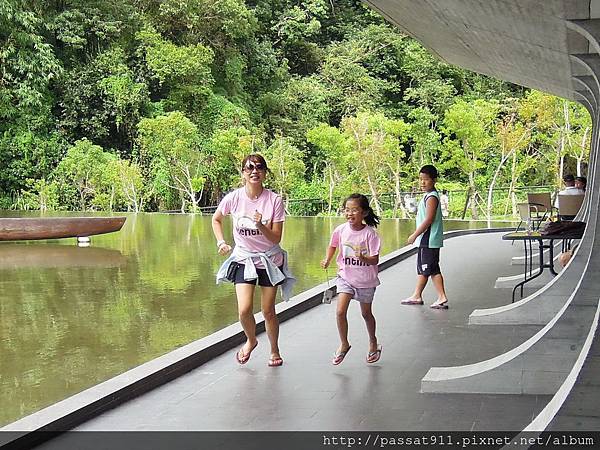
x,y
30,228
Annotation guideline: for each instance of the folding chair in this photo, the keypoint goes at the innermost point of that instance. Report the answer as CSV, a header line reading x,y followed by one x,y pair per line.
x,y
543,202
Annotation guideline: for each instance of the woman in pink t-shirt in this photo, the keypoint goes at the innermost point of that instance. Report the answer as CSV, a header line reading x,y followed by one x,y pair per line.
x,y
258,215
357,262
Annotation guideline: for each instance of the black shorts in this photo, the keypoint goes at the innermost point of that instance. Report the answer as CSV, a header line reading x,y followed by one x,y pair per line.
x,y
428,261
263,277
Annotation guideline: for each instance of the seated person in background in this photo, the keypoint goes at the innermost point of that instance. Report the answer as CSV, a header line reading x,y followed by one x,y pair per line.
x,y
570,189
581,183
445,203
410,202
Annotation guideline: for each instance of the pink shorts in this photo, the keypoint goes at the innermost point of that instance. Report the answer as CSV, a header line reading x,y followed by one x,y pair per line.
x,y
363,295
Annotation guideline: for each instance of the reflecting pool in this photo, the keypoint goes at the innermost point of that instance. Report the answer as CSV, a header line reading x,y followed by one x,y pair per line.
x,y
72,317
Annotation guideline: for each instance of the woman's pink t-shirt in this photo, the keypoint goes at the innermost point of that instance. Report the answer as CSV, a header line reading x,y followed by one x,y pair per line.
x,y
348,242
242,209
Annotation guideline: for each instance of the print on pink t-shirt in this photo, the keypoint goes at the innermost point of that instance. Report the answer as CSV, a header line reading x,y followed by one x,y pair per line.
x,y
348,242
242,209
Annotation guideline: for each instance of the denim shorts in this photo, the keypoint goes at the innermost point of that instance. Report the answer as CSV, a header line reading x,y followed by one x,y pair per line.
x,y
363,295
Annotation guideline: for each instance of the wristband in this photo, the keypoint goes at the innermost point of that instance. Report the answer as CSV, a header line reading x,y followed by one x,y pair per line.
x,y
221,242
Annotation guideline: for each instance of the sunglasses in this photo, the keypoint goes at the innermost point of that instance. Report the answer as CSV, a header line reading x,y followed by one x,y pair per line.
x,y
249,168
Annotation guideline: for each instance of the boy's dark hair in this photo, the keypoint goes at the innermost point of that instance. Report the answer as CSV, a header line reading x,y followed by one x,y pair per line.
x,y
568,178
430,170
371,218
581,179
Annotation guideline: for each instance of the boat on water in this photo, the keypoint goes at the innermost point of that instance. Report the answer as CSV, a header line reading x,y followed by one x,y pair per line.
x,y
33,228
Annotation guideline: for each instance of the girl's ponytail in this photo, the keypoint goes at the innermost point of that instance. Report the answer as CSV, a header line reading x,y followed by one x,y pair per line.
x,y
372,219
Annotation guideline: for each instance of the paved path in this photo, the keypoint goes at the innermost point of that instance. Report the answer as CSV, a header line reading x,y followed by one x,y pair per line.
x,y
308,393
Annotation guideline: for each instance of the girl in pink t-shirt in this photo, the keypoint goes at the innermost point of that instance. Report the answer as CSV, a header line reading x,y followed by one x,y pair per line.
x,y
357,262
258,215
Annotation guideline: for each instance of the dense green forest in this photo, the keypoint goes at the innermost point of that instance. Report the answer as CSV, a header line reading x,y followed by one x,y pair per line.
x,y
147,105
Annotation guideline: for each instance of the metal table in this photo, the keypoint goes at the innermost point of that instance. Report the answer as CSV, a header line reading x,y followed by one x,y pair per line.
x,y
536,236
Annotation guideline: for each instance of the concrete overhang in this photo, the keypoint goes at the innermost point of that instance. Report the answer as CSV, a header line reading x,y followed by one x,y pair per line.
x,y
526,42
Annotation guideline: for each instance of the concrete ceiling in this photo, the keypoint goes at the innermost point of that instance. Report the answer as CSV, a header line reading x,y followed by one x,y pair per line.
x,y
527,42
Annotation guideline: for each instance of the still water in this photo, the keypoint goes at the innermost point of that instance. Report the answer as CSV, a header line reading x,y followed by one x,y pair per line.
x,y
72,317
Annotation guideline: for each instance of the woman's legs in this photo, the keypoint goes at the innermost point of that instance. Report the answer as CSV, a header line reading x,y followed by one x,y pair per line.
x,y
367,313
342,320
245,299
267,302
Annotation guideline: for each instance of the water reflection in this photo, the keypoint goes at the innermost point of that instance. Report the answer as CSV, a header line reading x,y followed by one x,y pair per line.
x,y
17,256
73,317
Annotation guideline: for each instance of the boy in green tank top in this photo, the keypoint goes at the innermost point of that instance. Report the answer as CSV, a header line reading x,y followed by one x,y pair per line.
x,y
429,238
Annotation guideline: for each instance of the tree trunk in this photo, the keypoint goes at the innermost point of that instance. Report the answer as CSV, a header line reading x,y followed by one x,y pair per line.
x,y
331,188
511,188
397,194
581,154
374,195
473,192
560,159
493,183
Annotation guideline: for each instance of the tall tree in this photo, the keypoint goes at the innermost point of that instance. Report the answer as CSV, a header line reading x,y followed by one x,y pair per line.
x,y
334,147
285,164
472,126
169,149
373,140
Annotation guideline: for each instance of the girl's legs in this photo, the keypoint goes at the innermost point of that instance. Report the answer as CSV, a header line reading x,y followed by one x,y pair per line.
x,y
245,297
267,302
342,320
367,313
438,282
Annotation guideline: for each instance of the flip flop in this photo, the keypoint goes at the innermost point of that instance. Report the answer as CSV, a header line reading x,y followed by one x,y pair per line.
x,y
275,362
373,357
241,357
411,301
339,357
442,305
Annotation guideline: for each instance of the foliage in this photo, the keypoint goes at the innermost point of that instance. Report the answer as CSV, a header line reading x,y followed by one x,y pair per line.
x,y
84,177
285,164
169,150
27,61
152,104
184,71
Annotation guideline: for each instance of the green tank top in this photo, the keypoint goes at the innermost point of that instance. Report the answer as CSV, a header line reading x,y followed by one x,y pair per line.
x,y
433,237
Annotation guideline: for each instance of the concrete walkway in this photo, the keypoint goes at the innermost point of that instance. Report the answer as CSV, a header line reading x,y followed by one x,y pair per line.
x,y
308,393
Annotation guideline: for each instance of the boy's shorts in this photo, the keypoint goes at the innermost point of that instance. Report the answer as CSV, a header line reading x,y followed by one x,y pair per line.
x,y
428,261
363,295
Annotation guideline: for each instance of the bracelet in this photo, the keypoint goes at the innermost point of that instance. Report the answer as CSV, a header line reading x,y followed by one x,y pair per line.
x,y
221,242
